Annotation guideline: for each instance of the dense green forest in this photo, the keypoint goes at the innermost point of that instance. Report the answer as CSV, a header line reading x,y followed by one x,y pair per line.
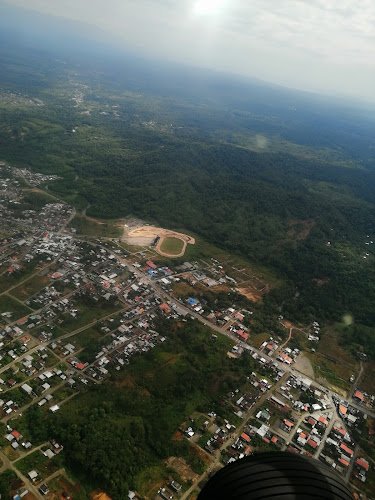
x,y
142,408
270,174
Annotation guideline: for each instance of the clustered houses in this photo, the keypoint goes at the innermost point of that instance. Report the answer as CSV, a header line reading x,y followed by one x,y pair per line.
x,y
269,346
78,276
350,415
288,356
311,436
314,333
300,391
338,448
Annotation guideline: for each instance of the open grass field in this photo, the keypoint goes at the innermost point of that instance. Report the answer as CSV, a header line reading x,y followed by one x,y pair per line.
x,y
95,228
333,362
86,314
37,461
367,380
172,246
83,339
30,287
18,310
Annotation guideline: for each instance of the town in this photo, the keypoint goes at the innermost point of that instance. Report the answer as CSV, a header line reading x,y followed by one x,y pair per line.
x,y
73,310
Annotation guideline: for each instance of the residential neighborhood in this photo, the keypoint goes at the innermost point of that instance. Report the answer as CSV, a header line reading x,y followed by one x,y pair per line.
x,y
74,311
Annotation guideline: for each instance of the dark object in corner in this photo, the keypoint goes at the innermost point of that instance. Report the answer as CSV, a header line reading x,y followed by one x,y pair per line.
x,y
278,475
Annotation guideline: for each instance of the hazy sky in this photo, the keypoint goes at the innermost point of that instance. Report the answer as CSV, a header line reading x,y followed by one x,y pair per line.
x,y
323,45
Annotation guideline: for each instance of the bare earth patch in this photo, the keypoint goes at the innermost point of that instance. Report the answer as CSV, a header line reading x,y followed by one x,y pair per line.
x,y
248,294
146,236
303,365
299,230
182,468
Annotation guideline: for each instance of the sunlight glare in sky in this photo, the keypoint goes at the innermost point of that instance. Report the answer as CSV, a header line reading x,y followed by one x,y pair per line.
x,y
207,7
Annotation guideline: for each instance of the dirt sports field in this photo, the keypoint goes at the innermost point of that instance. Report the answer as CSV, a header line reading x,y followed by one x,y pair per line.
x,y
146,235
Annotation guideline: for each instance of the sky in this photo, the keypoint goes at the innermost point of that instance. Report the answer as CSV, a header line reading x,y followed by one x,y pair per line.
x,y
326,46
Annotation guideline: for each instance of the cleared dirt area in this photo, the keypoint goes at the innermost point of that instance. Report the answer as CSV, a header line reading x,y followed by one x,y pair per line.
x,y
299,230
304,365
182,468
146,236
248,294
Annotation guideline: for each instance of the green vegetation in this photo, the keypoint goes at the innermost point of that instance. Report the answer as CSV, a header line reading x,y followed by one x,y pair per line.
x,y
18,310
9,482
89,311
30,287
247,174
125,426
97,229
172,246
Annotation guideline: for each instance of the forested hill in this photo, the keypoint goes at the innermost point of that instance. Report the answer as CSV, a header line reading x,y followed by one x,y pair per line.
x,y
266,172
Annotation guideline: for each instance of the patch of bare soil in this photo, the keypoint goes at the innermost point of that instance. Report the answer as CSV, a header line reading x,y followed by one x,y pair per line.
x,y
299,230
248,294
182,468
146,235
321,282
303,365
177,436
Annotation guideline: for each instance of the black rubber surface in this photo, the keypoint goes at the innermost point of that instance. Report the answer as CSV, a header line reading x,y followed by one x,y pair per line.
x,y
281,475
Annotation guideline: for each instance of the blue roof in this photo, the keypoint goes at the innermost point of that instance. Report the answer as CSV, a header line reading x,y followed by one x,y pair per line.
x,y
192,301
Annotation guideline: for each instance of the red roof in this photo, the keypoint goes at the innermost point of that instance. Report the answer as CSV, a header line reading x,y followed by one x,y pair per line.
x,y
265,439
165,307
80,366
362,463
341,431
288,423
312,443
346,449
323,420
245,437
242,334
151,264
344,462
359,395
274,439
343,409
16,434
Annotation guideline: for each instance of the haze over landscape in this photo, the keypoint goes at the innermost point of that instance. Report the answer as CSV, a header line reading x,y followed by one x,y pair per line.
x,y
311,45
187,232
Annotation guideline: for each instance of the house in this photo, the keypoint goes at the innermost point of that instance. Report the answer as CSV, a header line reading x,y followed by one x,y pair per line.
x,y
342,410
43,488
344,462
165,308
175,485
312,443
245,437
361,463
33,475
54,408
358,397
287,425
16,434
48,453
346,450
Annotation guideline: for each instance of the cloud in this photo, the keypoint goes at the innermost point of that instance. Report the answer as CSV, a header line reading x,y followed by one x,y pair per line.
x,y
312,44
